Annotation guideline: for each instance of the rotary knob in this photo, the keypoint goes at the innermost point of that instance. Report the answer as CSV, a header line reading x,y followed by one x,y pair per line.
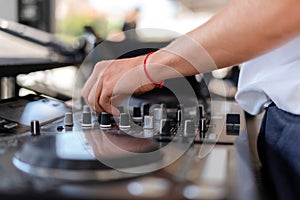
x,y
124,121
105,121
189,128
146,108
68,119
157,117
86,108
165,127
148,122
86,118
137,115
164,110
158,114
199,112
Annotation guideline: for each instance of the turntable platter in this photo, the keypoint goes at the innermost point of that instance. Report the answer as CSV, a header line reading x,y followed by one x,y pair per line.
x,y
87,156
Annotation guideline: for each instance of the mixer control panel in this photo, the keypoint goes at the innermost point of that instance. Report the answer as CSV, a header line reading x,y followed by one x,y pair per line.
x,y
145,152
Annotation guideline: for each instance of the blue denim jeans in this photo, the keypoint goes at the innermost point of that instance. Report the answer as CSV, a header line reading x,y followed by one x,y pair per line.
x,y
279,151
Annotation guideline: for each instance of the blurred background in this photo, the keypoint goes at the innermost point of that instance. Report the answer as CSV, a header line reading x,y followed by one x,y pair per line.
x,y
92,21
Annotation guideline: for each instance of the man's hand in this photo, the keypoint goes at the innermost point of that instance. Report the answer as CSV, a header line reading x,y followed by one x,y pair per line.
x,y
111,80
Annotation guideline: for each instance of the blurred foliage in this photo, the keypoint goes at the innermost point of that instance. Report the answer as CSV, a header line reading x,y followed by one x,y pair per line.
x,y
71,27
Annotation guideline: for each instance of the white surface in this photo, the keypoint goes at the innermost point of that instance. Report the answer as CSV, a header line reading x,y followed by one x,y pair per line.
x,y
272,77
13,47
8,9
215,168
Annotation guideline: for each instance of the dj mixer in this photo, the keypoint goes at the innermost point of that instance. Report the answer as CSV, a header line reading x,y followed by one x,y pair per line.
x,y
149,151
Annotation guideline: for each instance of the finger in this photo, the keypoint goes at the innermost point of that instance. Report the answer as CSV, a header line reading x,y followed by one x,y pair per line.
x,y
97,90
89,84
104,100
93,100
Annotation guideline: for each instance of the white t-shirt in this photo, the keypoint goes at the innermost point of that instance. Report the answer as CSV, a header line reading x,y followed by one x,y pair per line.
x,y
272,77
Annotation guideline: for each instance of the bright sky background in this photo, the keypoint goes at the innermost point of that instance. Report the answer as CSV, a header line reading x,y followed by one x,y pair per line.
x,y
163,14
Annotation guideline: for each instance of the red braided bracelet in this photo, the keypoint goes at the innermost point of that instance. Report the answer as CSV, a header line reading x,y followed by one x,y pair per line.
x,y
158,85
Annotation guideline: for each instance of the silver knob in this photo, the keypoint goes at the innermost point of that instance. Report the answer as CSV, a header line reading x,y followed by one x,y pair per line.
x,y
158,114
189,128
68,120
86,119
148,122
124,121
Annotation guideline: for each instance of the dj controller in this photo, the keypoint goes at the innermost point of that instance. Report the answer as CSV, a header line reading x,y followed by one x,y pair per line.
x,y
150,151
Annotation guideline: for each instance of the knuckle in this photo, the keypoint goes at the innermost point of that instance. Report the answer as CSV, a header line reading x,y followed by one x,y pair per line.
x,y
98,66
89,100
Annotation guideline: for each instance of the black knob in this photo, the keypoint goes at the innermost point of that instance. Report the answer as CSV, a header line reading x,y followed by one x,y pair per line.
x,y
105,121
164,110
124,121
137,112
165,127
146,108
35,128
137,115
199,112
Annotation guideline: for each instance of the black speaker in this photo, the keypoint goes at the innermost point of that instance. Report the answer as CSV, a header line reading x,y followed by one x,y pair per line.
x,y
37,14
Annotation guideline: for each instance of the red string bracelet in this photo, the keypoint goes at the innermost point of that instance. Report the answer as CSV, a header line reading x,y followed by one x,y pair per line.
x,y
158,85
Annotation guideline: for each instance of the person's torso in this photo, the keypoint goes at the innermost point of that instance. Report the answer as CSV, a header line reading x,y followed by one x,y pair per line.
x,y
272,77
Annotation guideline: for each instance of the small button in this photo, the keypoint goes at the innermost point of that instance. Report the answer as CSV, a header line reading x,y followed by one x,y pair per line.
x,y
236,127
60,128
229,127
232,119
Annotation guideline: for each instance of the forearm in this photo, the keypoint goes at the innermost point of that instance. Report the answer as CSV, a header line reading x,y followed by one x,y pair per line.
x,y
241,31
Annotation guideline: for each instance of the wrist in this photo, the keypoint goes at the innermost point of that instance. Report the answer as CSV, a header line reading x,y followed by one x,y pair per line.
x,y
188,56
162,65
156,84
